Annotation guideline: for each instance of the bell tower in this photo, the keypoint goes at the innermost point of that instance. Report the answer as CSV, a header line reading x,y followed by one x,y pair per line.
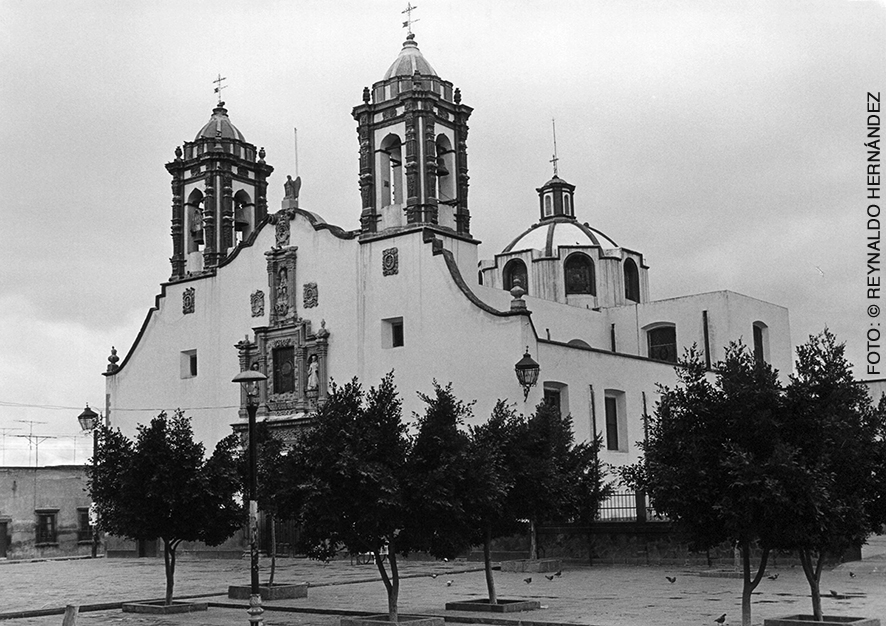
x,y
413,130
219,188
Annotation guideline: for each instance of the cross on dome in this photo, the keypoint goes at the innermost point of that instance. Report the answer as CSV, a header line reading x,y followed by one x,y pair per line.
x,y
219,87
409,21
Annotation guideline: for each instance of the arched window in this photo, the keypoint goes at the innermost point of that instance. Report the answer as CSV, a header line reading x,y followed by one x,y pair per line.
x,y
661,342
579,274
244,216
549,205
632,281
515,271
567,205
194,221
761,342
391,170
445,169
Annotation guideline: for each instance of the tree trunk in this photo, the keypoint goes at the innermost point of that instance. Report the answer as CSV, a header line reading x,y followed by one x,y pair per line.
x,y
273,549
487,566
392,582
813,577
169,547
749,584
533,540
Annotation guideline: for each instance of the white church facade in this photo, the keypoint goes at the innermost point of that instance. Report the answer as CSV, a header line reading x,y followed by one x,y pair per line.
x,y
306,302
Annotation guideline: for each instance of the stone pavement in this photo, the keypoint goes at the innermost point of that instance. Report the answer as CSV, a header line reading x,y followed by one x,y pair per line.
x,y
598,596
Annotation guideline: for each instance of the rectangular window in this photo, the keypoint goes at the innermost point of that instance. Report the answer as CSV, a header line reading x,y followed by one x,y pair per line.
x,y
46,527
392,333
552,397
188,362
84,528
284,369
611,423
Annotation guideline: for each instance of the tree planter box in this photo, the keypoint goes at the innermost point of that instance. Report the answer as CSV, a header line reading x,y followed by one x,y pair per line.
x,y
827,620
159,608
277,591
382,620
532,565
503,606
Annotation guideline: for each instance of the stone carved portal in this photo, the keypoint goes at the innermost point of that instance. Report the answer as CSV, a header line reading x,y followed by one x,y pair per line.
x,y
295,361
281,281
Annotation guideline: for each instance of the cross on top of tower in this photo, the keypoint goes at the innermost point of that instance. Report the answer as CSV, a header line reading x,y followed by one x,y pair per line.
x,y
554,159
219,87
409,21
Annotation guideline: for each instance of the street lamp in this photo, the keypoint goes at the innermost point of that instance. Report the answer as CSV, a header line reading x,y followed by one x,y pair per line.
x,y
527,373
249,381
90,421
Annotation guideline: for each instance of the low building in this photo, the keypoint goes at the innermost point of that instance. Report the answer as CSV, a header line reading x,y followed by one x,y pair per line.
x,y
44,512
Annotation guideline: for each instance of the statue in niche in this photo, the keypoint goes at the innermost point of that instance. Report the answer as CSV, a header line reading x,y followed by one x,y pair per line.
x,y
282,306
282,231
313,373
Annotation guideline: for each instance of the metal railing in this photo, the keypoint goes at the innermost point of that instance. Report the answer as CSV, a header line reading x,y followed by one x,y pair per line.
x,y
628,506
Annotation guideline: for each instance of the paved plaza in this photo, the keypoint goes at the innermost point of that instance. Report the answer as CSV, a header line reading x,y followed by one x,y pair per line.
x,y
599,596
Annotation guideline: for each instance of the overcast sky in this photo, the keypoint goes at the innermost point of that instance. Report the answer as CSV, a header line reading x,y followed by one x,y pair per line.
x,y
723,140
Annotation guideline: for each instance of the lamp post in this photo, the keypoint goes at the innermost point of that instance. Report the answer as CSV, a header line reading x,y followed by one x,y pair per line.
x,y
249,381
89,421
527,373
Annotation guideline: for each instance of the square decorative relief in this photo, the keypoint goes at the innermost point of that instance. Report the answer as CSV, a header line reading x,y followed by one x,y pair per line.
x,y
390,261
311,295
257,302
188,300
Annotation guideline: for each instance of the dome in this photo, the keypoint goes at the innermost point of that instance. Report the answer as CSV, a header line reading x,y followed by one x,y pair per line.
x,y
219,126
547,236
409,61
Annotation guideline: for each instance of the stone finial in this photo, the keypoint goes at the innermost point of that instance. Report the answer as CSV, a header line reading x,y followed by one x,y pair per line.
x,y
457,96
366,95
517,292
178,153
322,333
112,365
261,154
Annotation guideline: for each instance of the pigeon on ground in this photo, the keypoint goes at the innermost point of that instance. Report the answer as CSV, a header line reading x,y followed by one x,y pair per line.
x,y
434,575
448,583
559,572
721,619
773,576
671,579
834,593
527,580
551,577
851,574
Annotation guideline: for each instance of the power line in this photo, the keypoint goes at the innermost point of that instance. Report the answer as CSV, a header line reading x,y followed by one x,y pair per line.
x,y
56,407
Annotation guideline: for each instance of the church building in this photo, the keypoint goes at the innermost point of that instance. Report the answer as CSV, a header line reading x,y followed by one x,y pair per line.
x,y
307,302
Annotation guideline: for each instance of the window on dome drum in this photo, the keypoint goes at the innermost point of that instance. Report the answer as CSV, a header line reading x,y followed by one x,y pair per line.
x,y
549,205
188,364
567,205
283,359
47,531
392,333
515,270
761,342
632,281
662,343
579,274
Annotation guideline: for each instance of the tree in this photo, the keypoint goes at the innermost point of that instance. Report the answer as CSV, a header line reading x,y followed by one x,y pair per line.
x,y
347,478
493,467
715,462
834,427
555,480
439,477
161,487
269,481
